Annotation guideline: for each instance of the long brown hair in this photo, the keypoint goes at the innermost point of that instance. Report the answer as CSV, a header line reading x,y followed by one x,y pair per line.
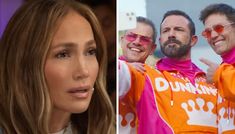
x,y
25,103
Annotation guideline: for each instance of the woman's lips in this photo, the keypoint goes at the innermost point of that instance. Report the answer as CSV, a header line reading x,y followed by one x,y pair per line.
x,y
80,92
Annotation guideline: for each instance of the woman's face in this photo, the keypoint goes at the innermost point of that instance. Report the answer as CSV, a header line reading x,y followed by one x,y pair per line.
x,y
71,66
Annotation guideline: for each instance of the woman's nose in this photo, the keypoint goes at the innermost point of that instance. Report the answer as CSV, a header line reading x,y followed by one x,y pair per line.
x,y
80,69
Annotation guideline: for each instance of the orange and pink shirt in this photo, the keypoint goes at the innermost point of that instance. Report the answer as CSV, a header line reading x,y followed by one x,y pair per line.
x,y
167,102
224,77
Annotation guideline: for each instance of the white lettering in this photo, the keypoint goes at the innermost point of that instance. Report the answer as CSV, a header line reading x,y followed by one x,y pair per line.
x,y
185,87
203,90
210,90
176,88
161,84
195,88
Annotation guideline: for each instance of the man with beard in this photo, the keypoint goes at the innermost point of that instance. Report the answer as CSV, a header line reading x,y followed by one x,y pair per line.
x,y
177,36
173,97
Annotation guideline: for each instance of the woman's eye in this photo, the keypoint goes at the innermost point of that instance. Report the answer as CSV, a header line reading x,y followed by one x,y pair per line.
x,y
62,54
92,51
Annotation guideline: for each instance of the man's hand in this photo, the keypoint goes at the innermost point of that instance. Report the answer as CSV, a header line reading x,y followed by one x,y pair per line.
x,y
138,66
212,67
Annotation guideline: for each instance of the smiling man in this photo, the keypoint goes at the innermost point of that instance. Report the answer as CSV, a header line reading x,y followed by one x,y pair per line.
x,y
219,23
173,97
137,44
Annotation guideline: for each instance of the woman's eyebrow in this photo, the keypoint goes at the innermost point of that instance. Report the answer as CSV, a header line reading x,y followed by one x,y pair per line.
x,y
64,45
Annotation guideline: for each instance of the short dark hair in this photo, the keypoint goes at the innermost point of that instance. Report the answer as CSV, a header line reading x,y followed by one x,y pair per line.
x,y
147,21
181,13
219,8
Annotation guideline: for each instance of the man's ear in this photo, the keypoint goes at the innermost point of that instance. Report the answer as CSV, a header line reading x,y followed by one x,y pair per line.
x,y
122,41
194,40
122,37
154,46
159,39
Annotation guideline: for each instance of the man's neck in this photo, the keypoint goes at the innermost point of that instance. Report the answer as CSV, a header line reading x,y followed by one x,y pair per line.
x,y
229,57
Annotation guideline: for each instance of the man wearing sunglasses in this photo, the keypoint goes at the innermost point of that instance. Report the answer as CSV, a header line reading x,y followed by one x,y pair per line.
x,y
219,21
138,43
173,97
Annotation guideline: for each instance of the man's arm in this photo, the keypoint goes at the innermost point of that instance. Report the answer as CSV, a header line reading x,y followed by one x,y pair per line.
x,y
224,79
223,76
124,78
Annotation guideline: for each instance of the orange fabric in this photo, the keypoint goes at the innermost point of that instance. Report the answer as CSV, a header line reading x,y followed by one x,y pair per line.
x,y
224,79
197,109
126,104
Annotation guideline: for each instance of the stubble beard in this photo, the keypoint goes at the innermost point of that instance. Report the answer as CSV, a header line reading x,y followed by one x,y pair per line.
x,y
175,51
